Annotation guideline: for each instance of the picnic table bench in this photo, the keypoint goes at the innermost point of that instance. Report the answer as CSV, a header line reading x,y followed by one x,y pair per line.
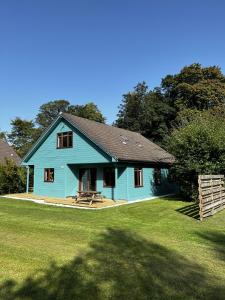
x,y
88,197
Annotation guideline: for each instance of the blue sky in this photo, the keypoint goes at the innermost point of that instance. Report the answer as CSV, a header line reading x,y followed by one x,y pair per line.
x,y
97,50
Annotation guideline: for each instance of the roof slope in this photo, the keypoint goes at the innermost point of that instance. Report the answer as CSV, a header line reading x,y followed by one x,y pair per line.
x,y
8,152
122,144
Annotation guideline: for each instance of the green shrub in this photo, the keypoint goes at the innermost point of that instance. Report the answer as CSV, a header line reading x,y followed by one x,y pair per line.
x,y
199,148
12,178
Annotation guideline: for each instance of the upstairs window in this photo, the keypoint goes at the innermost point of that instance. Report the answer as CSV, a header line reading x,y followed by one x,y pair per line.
x,y
49,175
109,177
138,177
157,176
65,140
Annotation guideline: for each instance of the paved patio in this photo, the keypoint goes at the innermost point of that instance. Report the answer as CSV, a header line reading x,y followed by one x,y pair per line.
x,y
66,202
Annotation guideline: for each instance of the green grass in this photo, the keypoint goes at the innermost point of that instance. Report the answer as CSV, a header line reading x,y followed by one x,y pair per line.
x,y
147,250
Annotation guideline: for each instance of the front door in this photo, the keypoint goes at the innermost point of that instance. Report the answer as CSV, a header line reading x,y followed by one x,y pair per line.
x,y
87,178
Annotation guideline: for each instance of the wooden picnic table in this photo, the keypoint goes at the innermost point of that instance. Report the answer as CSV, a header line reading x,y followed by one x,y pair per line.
x,y
88,196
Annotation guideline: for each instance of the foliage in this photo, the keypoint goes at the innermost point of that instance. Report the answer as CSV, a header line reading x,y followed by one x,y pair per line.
x,y
12,178
199,148
22,135
145,112
50,110
155,113
89,111
195,87
2,135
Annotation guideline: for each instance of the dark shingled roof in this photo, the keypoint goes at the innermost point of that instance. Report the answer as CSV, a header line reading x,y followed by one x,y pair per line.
x,y
7,152
122,144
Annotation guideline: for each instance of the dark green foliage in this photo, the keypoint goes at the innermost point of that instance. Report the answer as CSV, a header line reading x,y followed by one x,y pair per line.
x,y
2,135
145,112
22,135
12,178
195,87
89,111
199,148
49,111
154,113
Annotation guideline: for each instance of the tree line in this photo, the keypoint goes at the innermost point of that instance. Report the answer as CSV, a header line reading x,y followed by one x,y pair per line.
x,y
185,115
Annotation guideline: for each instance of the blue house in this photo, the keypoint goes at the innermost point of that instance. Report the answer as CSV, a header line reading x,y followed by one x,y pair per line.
x,y
75,154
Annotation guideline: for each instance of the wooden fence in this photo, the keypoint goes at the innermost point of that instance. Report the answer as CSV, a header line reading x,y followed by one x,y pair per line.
x,y
211,194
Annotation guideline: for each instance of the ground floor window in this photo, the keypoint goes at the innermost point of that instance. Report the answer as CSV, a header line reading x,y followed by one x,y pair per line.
x,y
157,176
138,177
109,177
49,175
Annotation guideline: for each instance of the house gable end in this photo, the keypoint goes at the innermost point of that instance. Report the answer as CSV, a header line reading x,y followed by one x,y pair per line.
x,y
83,150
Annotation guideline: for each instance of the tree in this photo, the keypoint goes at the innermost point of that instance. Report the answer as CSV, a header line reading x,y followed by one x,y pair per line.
x,y
2,135
145,112
12,178
49,111
155,117
195,87
199,148
131,108
22,135
89,111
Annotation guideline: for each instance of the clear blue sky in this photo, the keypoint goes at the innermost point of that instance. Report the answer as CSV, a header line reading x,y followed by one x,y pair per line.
x,y
96,50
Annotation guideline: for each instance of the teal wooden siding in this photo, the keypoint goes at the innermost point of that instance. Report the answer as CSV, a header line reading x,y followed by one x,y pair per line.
x,y
66,164
48,156
149,188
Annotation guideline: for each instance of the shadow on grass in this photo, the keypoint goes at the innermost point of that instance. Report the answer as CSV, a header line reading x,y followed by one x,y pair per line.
x,y
119,265
191,210
216,241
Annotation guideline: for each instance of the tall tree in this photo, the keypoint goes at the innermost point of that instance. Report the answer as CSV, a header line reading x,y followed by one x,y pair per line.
x,y
22,135
145,112
89,111
49,111
131,108
195,87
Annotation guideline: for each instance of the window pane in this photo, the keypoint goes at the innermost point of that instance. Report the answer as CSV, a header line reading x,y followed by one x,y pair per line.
x,y
65,139
70,143
109,177
138,177
49,175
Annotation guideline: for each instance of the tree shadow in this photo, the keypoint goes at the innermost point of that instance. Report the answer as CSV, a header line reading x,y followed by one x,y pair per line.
x,y
217,242
119,265
190,211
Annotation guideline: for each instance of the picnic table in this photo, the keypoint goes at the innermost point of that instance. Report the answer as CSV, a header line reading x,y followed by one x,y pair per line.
x,y
88,197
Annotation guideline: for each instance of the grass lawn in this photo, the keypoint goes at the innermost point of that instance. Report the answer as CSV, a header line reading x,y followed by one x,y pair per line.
x,y
147,250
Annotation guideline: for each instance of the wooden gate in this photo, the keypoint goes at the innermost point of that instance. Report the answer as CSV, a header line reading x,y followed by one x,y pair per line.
x,y
211,194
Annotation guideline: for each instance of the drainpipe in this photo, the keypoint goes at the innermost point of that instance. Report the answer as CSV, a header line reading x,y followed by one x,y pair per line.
x,y
28,175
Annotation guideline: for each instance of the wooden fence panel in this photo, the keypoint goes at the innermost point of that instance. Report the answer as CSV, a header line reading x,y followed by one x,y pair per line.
x,y
211,194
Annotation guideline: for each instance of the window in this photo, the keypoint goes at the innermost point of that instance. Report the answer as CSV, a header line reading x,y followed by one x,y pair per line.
x,y
138,177
65,140
157,176
109,177
49,175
